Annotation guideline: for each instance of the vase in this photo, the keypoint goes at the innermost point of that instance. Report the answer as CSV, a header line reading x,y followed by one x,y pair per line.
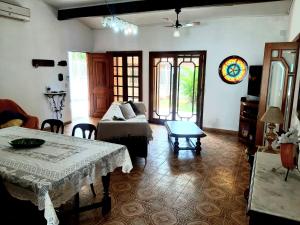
x,y
289,155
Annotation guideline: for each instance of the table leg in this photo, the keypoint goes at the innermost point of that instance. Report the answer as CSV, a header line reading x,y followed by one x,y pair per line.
x,y
106,200
76,207
176,145
198,146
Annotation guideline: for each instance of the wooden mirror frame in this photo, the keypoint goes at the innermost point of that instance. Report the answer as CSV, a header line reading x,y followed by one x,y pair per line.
x,y
297,39
265,84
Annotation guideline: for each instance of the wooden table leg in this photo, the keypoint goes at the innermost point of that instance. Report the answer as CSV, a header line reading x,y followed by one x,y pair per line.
x,y
198,146
176,145
76,202
106,200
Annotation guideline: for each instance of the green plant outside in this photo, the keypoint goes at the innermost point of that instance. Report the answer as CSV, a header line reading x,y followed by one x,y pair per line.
x,y
185,90
78,56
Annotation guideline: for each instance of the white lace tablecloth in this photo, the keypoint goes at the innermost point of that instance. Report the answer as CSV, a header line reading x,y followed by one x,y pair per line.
x,y
51,174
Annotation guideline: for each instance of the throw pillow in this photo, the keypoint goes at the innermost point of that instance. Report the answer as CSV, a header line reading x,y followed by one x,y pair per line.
x,y
118,118
7,115
10,123
127,111
114,110
133,106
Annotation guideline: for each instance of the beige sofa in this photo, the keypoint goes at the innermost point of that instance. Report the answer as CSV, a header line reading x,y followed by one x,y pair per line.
x,y
135,133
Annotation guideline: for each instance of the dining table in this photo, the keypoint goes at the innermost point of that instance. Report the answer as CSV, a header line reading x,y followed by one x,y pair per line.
x,y
51,174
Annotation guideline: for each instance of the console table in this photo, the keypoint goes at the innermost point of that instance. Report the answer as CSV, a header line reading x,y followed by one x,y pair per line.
x,y
271,199
56,100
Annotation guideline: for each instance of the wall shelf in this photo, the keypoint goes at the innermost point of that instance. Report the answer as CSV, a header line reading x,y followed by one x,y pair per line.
x,y
56,101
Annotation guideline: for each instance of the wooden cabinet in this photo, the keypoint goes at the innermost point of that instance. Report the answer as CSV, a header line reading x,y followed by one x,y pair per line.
x,y
248,120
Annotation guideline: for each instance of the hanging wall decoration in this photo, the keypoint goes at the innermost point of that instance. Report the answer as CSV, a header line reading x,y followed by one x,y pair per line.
x,y
233,69
42,62
62,63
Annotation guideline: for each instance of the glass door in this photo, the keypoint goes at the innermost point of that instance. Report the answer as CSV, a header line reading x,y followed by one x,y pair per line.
x,y
127,74
177,86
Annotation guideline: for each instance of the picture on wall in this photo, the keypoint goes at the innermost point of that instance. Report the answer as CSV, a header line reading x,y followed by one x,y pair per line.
x,y
233,69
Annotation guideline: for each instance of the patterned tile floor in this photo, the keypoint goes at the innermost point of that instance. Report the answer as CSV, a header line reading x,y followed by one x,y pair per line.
x,y
188,189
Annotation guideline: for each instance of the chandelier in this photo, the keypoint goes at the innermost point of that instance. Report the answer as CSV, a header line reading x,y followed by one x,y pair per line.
x,y
119,25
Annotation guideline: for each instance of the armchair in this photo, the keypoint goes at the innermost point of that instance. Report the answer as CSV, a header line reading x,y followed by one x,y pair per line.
x,y
31,122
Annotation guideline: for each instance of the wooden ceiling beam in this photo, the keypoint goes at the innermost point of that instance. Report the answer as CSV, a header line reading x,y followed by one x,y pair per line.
x,y
143,6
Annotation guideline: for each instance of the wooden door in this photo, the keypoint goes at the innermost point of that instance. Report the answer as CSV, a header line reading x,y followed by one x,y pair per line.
x,y
100,83
128,75
278,83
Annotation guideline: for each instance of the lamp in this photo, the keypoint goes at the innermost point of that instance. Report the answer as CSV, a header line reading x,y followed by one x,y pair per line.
x,y
176,33
272,116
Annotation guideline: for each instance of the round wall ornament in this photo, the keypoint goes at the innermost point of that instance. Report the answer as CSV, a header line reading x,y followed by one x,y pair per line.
x,y
233,69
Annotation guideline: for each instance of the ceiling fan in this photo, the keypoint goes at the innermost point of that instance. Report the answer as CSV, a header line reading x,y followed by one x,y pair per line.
x,y
178,25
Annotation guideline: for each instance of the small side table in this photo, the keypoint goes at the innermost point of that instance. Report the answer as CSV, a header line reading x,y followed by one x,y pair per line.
x,y
56,100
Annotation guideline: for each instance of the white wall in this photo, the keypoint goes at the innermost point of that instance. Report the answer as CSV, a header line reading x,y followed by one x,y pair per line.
x,y
294,21
44,37
244,36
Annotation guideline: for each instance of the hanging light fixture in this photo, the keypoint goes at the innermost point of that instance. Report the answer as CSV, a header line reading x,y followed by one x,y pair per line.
x,y
176,33
119,25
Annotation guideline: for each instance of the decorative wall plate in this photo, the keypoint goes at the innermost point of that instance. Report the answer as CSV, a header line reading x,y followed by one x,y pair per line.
x,y
233,69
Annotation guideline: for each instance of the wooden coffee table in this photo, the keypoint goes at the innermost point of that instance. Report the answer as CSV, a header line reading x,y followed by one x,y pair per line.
x,y
187,130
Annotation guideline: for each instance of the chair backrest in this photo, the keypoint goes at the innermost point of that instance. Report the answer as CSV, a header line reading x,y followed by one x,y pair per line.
x,y
53,123
85,127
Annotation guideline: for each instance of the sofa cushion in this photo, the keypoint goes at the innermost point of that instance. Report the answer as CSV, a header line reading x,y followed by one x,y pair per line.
x,y
134,107
113,111
10,123
141,107
127,111
7,115
118,118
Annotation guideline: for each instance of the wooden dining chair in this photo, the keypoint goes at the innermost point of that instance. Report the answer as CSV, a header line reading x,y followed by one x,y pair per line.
x,y
84,128
54,123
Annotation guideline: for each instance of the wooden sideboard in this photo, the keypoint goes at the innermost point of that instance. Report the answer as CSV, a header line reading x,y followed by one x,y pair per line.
x,y
247,123
271,199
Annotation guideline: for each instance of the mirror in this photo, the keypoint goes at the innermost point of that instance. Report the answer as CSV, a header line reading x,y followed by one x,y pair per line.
x,y
278,84
279,96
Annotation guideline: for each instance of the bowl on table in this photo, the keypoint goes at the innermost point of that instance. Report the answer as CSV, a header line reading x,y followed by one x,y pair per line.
x,y
26,142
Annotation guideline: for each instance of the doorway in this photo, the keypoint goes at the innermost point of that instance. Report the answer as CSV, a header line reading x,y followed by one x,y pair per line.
x,y
78,85
177,86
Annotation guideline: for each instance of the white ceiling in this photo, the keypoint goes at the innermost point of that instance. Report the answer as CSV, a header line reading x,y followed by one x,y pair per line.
x,y
187,14
198,14
61,4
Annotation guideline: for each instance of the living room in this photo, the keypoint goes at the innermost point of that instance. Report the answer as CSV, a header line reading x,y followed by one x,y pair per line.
x,y
220,29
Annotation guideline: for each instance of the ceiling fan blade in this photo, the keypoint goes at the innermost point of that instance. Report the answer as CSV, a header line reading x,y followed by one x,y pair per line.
x,y
188,25
197,23
168,20
191,24
170,26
